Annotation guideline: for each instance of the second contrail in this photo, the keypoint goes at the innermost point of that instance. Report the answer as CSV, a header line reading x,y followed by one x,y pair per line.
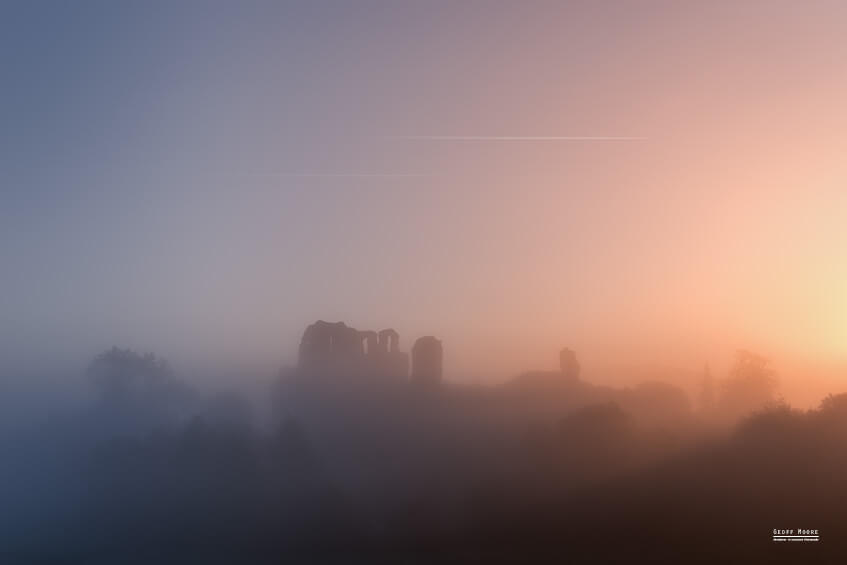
x,y
519,138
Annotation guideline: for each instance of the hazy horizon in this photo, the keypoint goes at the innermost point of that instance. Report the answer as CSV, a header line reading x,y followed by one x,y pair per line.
x,y
205,180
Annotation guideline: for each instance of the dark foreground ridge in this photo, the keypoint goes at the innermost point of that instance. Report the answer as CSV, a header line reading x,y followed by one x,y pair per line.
x,y
368,458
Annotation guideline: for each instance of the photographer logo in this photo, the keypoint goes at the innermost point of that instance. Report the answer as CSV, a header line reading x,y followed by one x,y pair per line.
x,y
799,534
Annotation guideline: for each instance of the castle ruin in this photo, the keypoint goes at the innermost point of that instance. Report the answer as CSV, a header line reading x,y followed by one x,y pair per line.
x,y
335,347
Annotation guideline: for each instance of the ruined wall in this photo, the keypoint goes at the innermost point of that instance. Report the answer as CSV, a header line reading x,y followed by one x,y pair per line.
x,y
334,347
391,361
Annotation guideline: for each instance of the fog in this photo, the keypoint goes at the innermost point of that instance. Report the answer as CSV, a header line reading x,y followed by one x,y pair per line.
x,y
203,181
368,454
609,239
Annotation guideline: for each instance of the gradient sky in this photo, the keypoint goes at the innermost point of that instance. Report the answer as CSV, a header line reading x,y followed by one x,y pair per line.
x,y
204,179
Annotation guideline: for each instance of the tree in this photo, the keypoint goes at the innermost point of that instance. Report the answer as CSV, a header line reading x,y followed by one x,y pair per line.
x,y
751,384
136,390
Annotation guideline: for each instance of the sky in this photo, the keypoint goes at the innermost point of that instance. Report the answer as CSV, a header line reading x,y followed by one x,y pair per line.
x,y
648,183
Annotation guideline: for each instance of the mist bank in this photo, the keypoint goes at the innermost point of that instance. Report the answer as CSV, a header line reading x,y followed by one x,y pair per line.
x,y
359,467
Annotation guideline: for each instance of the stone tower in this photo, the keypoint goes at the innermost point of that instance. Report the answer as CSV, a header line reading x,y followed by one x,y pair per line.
x,y
427,359
569,364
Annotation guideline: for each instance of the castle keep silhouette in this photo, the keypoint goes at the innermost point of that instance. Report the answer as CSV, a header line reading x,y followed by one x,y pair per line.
x,y
335,347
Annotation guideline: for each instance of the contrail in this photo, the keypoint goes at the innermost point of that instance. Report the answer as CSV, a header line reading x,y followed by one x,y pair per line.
x,y
519,138
342,175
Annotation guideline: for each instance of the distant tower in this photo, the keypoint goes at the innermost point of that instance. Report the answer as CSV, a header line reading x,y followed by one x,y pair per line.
x,y
569,364
427,357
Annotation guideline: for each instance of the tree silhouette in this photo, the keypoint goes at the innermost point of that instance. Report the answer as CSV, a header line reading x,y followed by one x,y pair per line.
x,y
136,390
751,384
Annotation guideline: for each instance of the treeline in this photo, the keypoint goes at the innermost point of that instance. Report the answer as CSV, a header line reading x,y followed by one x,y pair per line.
x,y
155,470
